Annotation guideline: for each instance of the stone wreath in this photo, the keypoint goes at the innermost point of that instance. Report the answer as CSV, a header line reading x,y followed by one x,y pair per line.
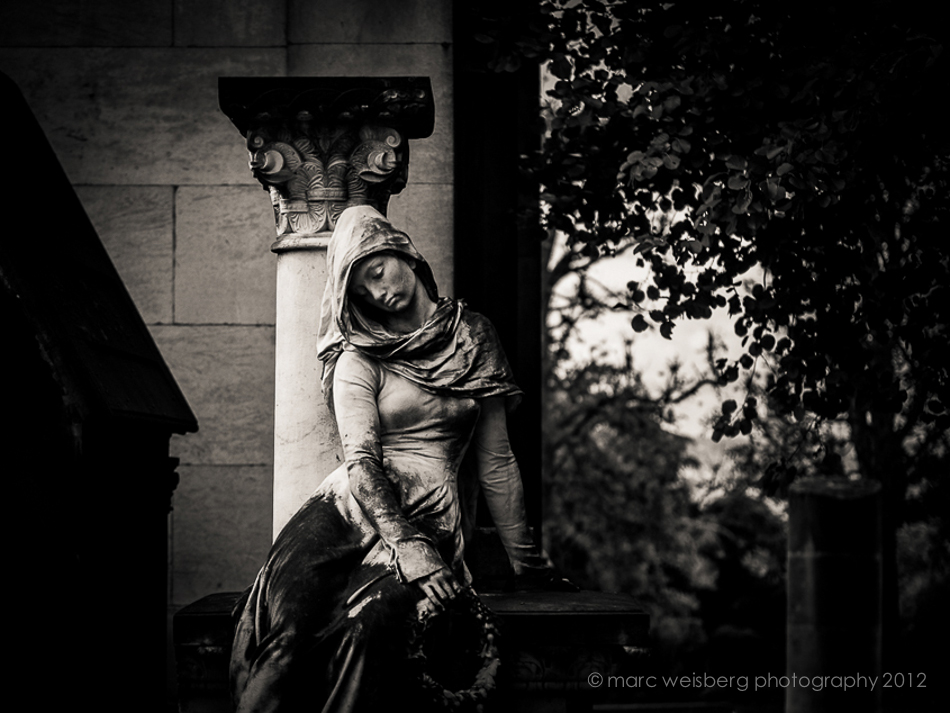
x,y
481,645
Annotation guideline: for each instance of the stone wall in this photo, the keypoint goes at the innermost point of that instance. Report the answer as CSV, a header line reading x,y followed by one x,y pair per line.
x,y
127,95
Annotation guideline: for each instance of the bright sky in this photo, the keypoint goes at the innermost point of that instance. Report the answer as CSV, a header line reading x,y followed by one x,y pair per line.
x,y
651,352
608,334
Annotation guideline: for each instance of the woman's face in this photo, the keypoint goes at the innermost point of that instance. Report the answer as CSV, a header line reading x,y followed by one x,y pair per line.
x,y
385,282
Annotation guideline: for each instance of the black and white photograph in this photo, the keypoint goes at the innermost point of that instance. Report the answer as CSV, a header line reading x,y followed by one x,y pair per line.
x,y
539,356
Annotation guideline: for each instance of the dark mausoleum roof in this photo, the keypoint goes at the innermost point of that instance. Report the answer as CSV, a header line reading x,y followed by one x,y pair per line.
x,y
55,268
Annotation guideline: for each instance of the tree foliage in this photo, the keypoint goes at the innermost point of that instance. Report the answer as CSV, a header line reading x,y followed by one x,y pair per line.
x,y
620,516
766,137
805,140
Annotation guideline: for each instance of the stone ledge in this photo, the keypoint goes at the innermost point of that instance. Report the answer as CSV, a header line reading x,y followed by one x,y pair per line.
x,y
552,642
588,618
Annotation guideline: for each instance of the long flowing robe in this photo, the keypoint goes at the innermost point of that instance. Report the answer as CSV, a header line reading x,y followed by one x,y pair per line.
x,y
325,624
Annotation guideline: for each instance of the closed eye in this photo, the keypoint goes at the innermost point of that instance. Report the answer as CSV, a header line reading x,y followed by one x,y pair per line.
x,y
367,275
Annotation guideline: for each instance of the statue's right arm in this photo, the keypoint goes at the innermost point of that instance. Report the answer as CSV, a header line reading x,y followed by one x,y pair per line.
x,y
355,388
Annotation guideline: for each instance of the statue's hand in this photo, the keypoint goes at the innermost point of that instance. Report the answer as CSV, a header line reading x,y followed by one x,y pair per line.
x,y
543,581
440,588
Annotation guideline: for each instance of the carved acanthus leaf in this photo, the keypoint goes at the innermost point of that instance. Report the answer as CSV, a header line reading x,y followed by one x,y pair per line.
x,y
320,146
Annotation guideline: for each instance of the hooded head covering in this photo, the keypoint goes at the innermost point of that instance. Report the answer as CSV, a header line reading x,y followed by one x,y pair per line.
x,y
455,353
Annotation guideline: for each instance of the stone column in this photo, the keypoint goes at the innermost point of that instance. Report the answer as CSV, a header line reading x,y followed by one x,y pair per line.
x,y
834,597
317,145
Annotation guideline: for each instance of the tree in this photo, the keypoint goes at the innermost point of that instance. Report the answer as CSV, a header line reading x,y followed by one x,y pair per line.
x,y
618,515
807,140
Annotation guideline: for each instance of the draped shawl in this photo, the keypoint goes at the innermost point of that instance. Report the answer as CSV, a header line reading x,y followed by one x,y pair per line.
x,y
455,353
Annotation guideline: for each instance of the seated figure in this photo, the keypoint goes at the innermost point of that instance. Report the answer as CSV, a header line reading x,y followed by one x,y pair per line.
x,y
415,381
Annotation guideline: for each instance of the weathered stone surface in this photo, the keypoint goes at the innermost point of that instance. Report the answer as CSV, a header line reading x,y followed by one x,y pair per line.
x,y
139,116
306,445
426,212
224,269
135,224
430,160
230,23
370,21
227,375
221,526
80,23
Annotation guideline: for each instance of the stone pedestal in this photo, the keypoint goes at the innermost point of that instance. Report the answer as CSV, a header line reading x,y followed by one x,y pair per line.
x,y
552,643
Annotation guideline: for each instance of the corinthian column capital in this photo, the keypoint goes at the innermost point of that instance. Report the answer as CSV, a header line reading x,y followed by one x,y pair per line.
x,y
322,144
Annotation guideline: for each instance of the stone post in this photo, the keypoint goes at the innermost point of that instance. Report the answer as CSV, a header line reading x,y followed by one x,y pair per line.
x,y
318,145
834,596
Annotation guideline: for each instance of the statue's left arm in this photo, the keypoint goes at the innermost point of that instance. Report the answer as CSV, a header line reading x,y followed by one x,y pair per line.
x,y
500,481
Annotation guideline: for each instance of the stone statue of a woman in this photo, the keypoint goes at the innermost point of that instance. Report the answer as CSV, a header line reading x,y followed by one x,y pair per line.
x,y
415,380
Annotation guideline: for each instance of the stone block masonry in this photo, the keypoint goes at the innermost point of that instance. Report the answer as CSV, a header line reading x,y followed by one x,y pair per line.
x,y
127,96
